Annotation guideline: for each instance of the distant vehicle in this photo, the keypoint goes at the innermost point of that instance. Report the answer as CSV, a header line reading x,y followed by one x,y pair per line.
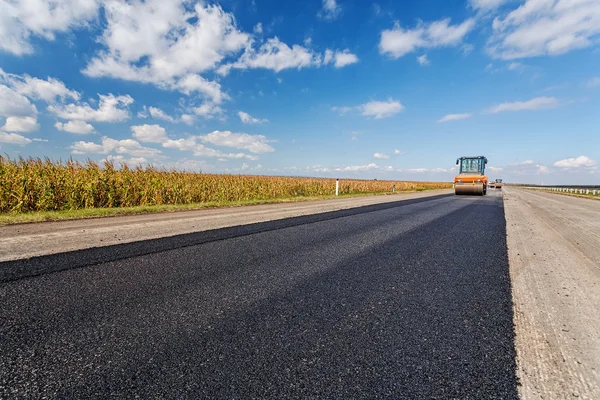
x,y
471,177
496,184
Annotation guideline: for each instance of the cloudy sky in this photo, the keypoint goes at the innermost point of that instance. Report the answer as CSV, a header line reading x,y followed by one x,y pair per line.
x,y
336,88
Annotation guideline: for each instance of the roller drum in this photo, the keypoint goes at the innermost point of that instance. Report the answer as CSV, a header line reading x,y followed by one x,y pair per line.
x,y
469,189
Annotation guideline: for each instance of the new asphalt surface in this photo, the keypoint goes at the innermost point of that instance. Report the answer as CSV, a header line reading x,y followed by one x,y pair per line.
x,y
398,300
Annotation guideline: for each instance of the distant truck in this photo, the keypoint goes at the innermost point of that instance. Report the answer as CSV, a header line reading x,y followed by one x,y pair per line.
x,y
497,184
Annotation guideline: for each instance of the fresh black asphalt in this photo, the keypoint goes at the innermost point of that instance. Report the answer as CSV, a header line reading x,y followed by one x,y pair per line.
x,y
407,300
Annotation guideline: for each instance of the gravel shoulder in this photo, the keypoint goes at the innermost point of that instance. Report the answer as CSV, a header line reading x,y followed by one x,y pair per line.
x,y
44,238
554,254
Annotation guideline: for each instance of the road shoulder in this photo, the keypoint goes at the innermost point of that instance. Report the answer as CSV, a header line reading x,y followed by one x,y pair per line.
x,y
553,255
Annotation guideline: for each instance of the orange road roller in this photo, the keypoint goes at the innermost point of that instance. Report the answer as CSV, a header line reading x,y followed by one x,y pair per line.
x,y
471,179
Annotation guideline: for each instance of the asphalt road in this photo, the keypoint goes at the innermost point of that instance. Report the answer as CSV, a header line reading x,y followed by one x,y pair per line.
x,y
398,300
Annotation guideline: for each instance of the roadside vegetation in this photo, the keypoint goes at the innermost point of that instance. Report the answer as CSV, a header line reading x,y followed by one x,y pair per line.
x,y
64,190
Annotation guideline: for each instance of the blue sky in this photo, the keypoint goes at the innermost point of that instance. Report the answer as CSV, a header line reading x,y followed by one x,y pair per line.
x,y
333,88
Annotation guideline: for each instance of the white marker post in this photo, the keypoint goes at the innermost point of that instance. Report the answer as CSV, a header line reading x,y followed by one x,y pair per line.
x,y
337,187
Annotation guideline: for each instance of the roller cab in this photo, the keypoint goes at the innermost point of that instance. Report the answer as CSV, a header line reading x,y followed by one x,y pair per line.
x,y
471,179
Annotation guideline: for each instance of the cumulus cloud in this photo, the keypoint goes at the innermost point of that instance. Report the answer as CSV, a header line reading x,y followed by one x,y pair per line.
x,y
381,156
277,56
108,145
49,89
149,133
397,42
330,10
545,27
14,104
538,103
126,161
578,162
13,138
208,110
254,143
454,117
160,114
21,124
381,109
20,20
110,109
76,126
343,58
357,168
162,43
398,153
249,119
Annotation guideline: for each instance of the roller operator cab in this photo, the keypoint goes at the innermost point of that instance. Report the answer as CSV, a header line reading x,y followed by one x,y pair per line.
x,y
471,177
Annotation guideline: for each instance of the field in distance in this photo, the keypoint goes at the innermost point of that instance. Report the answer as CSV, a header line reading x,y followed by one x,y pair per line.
x,y
34,185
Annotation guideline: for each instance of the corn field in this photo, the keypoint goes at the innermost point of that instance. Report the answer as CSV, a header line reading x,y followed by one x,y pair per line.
x,y
34,184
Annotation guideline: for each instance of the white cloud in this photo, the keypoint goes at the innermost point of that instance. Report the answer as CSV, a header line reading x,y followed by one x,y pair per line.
x,y
13,138
357,168
423,60
13,104
21,124
545,27
20,20
539,103
38,89
495,169
253,143
249,119
203,151
165,44
398,42
76,126
343,58
454,117
579,162
124,160
110,109
187,119
160,114
183,144
381,109
398,152
381,156
515,66
330,10
258,28
149,133
486,5
208,110
277,56
108,145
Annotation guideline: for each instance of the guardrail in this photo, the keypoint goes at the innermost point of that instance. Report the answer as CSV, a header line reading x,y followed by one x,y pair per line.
x,y
568,189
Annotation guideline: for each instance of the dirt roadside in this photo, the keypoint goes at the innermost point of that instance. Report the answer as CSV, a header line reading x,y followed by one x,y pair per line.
x,y
43,238
554,255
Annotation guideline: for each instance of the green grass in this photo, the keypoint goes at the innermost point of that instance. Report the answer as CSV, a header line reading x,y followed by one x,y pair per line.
x,y
41,216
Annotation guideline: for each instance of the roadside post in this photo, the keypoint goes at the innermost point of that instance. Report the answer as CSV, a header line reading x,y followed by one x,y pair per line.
x,y
337,186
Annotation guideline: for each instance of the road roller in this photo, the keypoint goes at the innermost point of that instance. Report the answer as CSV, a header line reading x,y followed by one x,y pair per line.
x,y
471,179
